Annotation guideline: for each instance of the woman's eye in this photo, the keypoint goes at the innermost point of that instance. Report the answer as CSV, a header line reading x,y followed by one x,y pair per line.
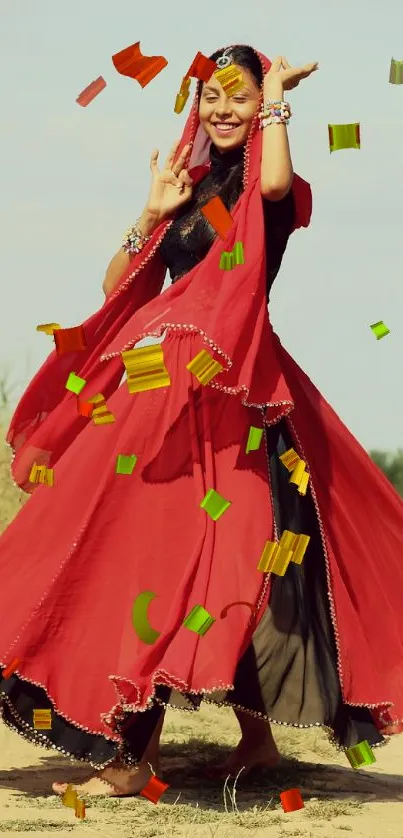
x,y
211,98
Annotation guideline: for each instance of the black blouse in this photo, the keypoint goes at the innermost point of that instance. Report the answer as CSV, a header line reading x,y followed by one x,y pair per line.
x,y
190,237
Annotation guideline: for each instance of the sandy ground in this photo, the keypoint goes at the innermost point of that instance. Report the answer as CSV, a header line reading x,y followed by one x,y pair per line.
x,y
367,803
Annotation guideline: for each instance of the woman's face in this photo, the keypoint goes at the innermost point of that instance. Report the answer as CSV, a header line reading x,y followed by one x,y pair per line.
x,y
227,120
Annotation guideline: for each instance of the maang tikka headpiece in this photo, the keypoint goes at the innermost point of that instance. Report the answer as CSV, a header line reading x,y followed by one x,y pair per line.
x,y
225,59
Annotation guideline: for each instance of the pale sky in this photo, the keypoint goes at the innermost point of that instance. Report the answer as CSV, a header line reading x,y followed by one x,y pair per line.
x,y
73,179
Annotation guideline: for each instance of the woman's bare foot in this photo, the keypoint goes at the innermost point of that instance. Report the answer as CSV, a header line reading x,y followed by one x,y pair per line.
x,y
247,755
115,780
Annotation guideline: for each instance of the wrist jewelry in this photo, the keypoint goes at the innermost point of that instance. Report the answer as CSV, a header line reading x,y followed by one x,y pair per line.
x,y
275,113
134,240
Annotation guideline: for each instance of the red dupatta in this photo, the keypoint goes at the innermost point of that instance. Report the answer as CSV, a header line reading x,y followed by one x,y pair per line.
x,y
229,309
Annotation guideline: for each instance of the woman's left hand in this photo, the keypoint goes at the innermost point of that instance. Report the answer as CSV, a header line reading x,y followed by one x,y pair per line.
x,y
288,76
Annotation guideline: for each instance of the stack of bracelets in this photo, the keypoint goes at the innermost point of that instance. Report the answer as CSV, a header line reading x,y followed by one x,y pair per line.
x,y
275,113
134,240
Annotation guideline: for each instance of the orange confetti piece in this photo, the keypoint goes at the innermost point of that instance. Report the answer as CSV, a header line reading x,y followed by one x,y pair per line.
x,y
201,68
291,800
218,216
89,93
70,340
130,62
85,409
154,789
11,668
80,809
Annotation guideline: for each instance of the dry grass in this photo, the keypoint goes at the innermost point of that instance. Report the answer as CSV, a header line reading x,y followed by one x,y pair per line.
x,y
193,807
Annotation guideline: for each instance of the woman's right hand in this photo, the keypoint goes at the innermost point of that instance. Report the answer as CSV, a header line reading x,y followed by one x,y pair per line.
x,y
170,188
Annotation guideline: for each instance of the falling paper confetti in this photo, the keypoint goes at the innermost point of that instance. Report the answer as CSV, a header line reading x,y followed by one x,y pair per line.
x,y
199,620
225,610
396,72
182,96
380,330
80,809
254,439
41,474
228,260
360,754
218,216
125,464
142,627
145,368
89,93
230,79
214,504
8,671
42,719
70,340
344,136
276,556
70,797
201,68
85,408
130,62
204,367
291,800
75,384
154,789
48,328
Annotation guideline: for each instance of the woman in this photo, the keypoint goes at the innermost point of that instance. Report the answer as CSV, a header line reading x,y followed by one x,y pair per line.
x,y
323,644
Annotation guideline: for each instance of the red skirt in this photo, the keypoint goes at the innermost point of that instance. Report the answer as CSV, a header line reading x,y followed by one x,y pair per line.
x,y
79,553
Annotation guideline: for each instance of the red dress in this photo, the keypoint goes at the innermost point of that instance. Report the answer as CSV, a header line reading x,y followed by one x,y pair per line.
x,y
80,553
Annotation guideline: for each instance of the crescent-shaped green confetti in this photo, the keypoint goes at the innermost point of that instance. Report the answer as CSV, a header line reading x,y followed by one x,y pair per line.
x,y
140,621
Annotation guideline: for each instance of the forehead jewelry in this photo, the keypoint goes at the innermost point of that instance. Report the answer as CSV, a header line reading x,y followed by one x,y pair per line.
x,y
225,59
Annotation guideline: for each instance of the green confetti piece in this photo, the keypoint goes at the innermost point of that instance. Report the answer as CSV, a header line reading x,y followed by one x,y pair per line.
x,y
238,253
125,463
226,261
229,259
396,72
344,136
254,439
361,754
199,620
140,621
75,384
380,330
214,504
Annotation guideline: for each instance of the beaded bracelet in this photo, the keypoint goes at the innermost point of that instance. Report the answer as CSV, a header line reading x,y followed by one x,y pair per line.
x,y
134,240
275,113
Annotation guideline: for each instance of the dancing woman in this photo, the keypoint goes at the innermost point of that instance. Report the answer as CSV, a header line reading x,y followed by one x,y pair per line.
x,y
320,645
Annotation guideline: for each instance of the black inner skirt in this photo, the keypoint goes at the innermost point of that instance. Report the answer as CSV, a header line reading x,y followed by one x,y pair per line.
x,y
288,673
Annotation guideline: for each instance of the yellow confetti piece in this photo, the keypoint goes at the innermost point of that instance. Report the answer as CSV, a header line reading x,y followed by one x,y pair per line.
x,y
80,809
125,463
141,624
361,754
204,367
42,719
303,484
199,620
276,556
75,384
183,95
290,459
145,368
380,330
41,474
396,72
344,136
48,328
70,797
230,79
214,504
254,439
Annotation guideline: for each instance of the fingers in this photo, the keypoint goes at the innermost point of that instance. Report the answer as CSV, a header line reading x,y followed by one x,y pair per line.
x,y
154,161
184,179
178,166
171,156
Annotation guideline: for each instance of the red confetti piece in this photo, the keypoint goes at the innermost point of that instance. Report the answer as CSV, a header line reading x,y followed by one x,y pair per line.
x,y
225,610
218,216
11,668
154,789
130,62
291,800
69,340
201,68
85,409
89,93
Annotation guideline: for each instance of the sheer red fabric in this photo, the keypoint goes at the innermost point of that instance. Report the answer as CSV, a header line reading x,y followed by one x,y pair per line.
x,y
123,537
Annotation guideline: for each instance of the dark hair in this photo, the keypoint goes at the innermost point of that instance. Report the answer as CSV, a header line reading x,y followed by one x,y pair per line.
x,y
244,56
